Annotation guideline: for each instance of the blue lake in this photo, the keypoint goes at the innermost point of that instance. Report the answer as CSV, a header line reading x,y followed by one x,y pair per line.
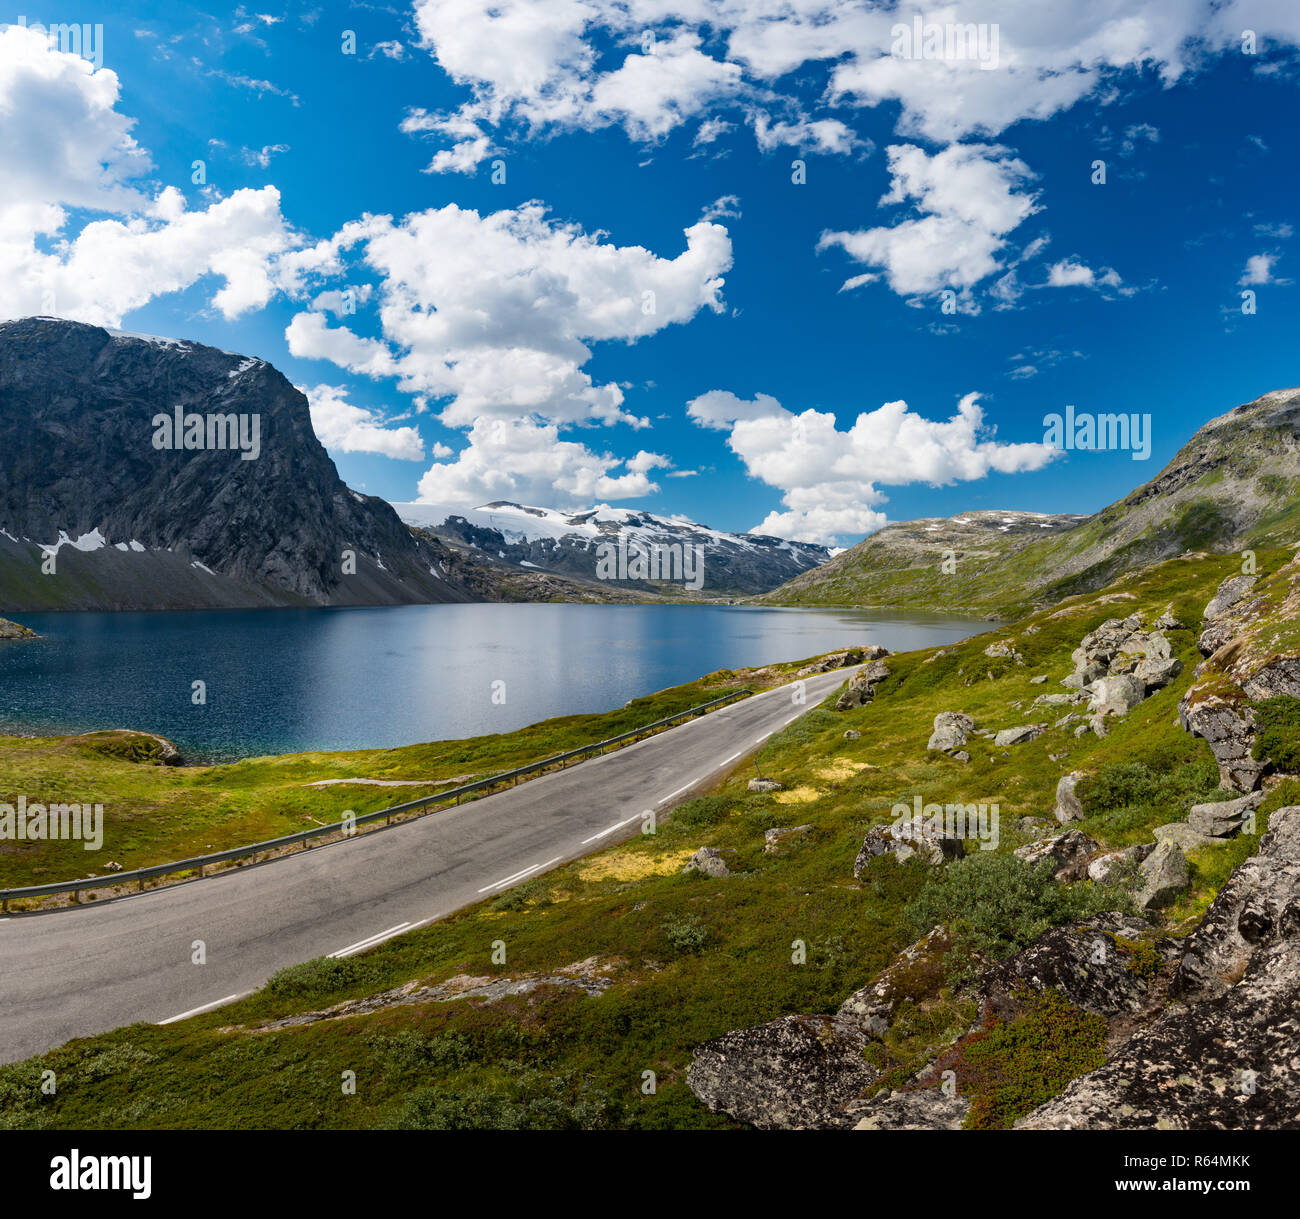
x,y
280,681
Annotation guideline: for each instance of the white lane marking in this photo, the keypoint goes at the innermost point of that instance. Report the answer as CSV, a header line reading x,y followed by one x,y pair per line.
x,y
616,826
206,1007
678,792
369,942
509,880
733,757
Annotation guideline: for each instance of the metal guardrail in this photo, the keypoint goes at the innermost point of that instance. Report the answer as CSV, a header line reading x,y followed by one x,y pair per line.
x,y
200,862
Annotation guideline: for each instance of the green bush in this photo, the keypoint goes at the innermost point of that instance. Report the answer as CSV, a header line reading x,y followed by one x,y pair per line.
x,y
409,1049
323,976
1277,732
703,811
994,905
685,933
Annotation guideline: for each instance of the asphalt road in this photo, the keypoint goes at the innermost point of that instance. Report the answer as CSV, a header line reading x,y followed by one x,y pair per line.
x,y
86,969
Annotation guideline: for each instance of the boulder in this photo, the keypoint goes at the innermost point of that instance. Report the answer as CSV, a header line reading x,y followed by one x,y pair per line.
x,y
1110,868
932,846
951,729
1167,622
708,861
1017,736
773,838
1230,592
1162,876
795,1073
1216,635
1184,837
1116,695
872,1007
1081,960
1155,674
851,734
1230,731
1068,808
1223,818
763,785
916,1109
862,686
1280,677
1068,854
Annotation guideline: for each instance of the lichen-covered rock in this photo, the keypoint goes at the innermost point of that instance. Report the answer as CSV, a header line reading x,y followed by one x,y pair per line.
x,y
1184,837
951,728
763,785
862,686
1259,903
917,1109
914,971
795,1073
1278,678
1068,807
1116,695
1230,730
708,861
1230,592
930,845
773,838
1156,673
1083,961
1224,1056
1116,865
1223,818
1163,875
1068,853
1019,734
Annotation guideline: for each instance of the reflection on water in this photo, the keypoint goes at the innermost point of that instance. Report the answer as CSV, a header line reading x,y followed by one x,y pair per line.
x,y
288,680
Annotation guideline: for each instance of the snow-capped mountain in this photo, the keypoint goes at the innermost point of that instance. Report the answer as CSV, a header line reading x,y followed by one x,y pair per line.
x,y
573,543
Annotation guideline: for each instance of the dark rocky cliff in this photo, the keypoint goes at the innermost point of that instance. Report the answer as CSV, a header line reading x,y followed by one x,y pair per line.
x,y
157,528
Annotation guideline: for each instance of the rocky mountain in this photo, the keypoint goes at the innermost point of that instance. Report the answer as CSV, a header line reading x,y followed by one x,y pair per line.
x,y
147,473
1236,483
572,544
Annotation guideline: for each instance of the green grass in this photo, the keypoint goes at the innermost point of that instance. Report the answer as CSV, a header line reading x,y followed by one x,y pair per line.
x,y
689,957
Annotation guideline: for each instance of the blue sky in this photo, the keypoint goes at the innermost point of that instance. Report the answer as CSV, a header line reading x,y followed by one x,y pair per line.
x,y
501,346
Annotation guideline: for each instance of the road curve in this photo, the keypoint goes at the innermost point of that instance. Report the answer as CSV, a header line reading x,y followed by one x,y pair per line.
x,y
86,969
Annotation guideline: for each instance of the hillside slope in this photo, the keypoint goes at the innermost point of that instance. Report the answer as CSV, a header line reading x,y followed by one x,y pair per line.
x,y
1235,483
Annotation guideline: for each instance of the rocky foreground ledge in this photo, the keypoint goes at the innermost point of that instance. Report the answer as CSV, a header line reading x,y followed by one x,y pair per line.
x,y
1207,1028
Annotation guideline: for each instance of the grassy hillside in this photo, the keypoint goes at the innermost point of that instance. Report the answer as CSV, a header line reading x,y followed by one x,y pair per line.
x,y
636,963
1236,483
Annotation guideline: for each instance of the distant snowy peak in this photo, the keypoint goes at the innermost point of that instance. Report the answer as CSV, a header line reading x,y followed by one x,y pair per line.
x,y
566,543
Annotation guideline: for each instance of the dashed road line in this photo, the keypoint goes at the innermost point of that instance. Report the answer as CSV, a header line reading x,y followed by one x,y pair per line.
x,y
616,826
509,880
369,942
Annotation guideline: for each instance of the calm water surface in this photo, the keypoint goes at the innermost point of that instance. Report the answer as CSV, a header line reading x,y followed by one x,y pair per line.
x,y
282,681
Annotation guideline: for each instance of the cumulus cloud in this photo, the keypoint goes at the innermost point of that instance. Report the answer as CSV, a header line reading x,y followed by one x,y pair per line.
x,y
652,65
72,149
348,428
496,313
527,462
829,479
970,197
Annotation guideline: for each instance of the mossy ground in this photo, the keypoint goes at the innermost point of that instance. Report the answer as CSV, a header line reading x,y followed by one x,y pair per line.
x,y
690,957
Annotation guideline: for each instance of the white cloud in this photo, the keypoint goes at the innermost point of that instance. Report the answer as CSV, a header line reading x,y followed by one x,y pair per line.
x,y
1259,271
527,462
829,478
970,197
496,313
342,426
72,149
